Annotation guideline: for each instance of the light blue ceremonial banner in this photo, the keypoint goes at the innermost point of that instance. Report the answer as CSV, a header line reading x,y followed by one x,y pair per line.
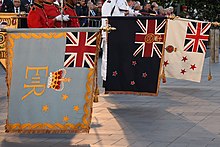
x,y
45,96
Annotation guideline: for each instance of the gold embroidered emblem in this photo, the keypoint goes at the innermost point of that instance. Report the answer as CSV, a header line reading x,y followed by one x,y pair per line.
x,y
150,38
56,80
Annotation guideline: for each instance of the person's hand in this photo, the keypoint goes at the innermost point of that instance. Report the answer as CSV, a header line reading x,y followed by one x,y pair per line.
x,y
136,13
58,18
126,12
66,18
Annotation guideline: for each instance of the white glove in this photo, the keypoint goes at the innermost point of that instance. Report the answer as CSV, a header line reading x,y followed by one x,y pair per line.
x,y
56,3
136,13
58,18
66,18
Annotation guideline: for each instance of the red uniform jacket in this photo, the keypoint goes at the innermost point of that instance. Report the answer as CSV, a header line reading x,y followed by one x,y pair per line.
x,y
52,11
37,17
69,9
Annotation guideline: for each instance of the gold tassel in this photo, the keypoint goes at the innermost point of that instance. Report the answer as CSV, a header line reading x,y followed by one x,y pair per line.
x,y
164,80
95,100
96,93
209,76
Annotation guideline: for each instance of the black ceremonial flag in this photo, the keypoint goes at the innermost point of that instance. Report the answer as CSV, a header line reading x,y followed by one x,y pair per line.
x,y
134,55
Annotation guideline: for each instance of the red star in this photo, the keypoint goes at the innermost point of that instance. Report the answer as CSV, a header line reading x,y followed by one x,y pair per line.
x,y
165,63
144,75
134,63
183,71
193,66
114,74
132,82
184,59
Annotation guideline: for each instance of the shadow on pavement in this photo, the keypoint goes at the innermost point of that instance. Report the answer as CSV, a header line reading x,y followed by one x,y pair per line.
x,y
177,117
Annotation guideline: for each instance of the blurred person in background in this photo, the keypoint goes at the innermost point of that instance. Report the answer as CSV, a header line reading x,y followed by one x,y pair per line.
x,y
146,9
18,8
27,4
82,10
130,8
53,11
37,17
184,13
131,11
91,8
161,11
96,11
137,6
98,8
69,9
6,6
154,7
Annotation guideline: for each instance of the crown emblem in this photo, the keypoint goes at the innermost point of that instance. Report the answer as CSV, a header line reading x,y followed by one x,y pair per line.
x,y
56,80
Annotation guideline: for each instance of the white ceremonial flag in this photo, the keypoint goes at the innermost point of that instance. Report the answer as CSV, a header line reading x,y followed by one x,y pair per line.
x,y
185,49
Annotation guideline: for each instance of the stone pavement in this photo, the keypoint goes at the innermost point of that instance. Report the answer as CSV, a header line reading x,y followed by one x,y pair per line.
x,y
185,114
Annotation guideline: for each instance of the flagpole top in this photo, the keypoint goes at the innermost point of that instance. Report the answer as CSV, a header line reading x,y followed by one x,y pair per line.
x,y
108,28
173,17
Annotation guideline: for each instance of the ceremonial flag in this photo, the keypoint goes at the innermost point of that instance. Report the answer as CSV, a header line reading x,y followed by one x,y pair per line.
x,y
134,55
3,49
185,49
7,20
45,96
80,49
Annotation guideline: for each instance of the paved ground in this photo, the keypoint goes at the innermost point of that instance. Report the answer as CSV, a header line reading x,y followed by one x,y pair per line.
x,y
185,114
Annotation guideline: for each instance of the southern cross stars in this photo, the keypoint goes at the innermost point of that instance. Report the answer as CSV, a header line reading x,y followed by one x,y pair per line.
x,y
184,59
183,71
144,75
193,66
114,73
166,63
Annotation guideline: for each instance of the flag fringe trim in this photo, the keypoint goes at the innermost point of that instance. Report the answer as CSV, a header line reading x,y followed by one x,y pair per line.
x,y
46,128
131,92
96,87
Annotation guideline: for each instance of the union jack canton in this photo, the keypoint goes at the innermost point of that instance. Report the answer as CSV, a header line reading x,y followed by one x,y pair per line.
x,y
151,38
80,49
197,37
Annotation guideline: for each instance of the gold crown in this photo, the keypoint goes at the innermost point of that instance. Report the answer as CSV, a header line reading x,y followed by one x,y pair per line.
x,y
56,79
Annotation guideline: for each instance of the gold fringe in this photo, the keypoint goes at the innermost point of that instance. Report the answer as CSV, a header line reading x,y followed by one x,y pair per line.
x,y
48,131
96,89
47,128
95,100
132,92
